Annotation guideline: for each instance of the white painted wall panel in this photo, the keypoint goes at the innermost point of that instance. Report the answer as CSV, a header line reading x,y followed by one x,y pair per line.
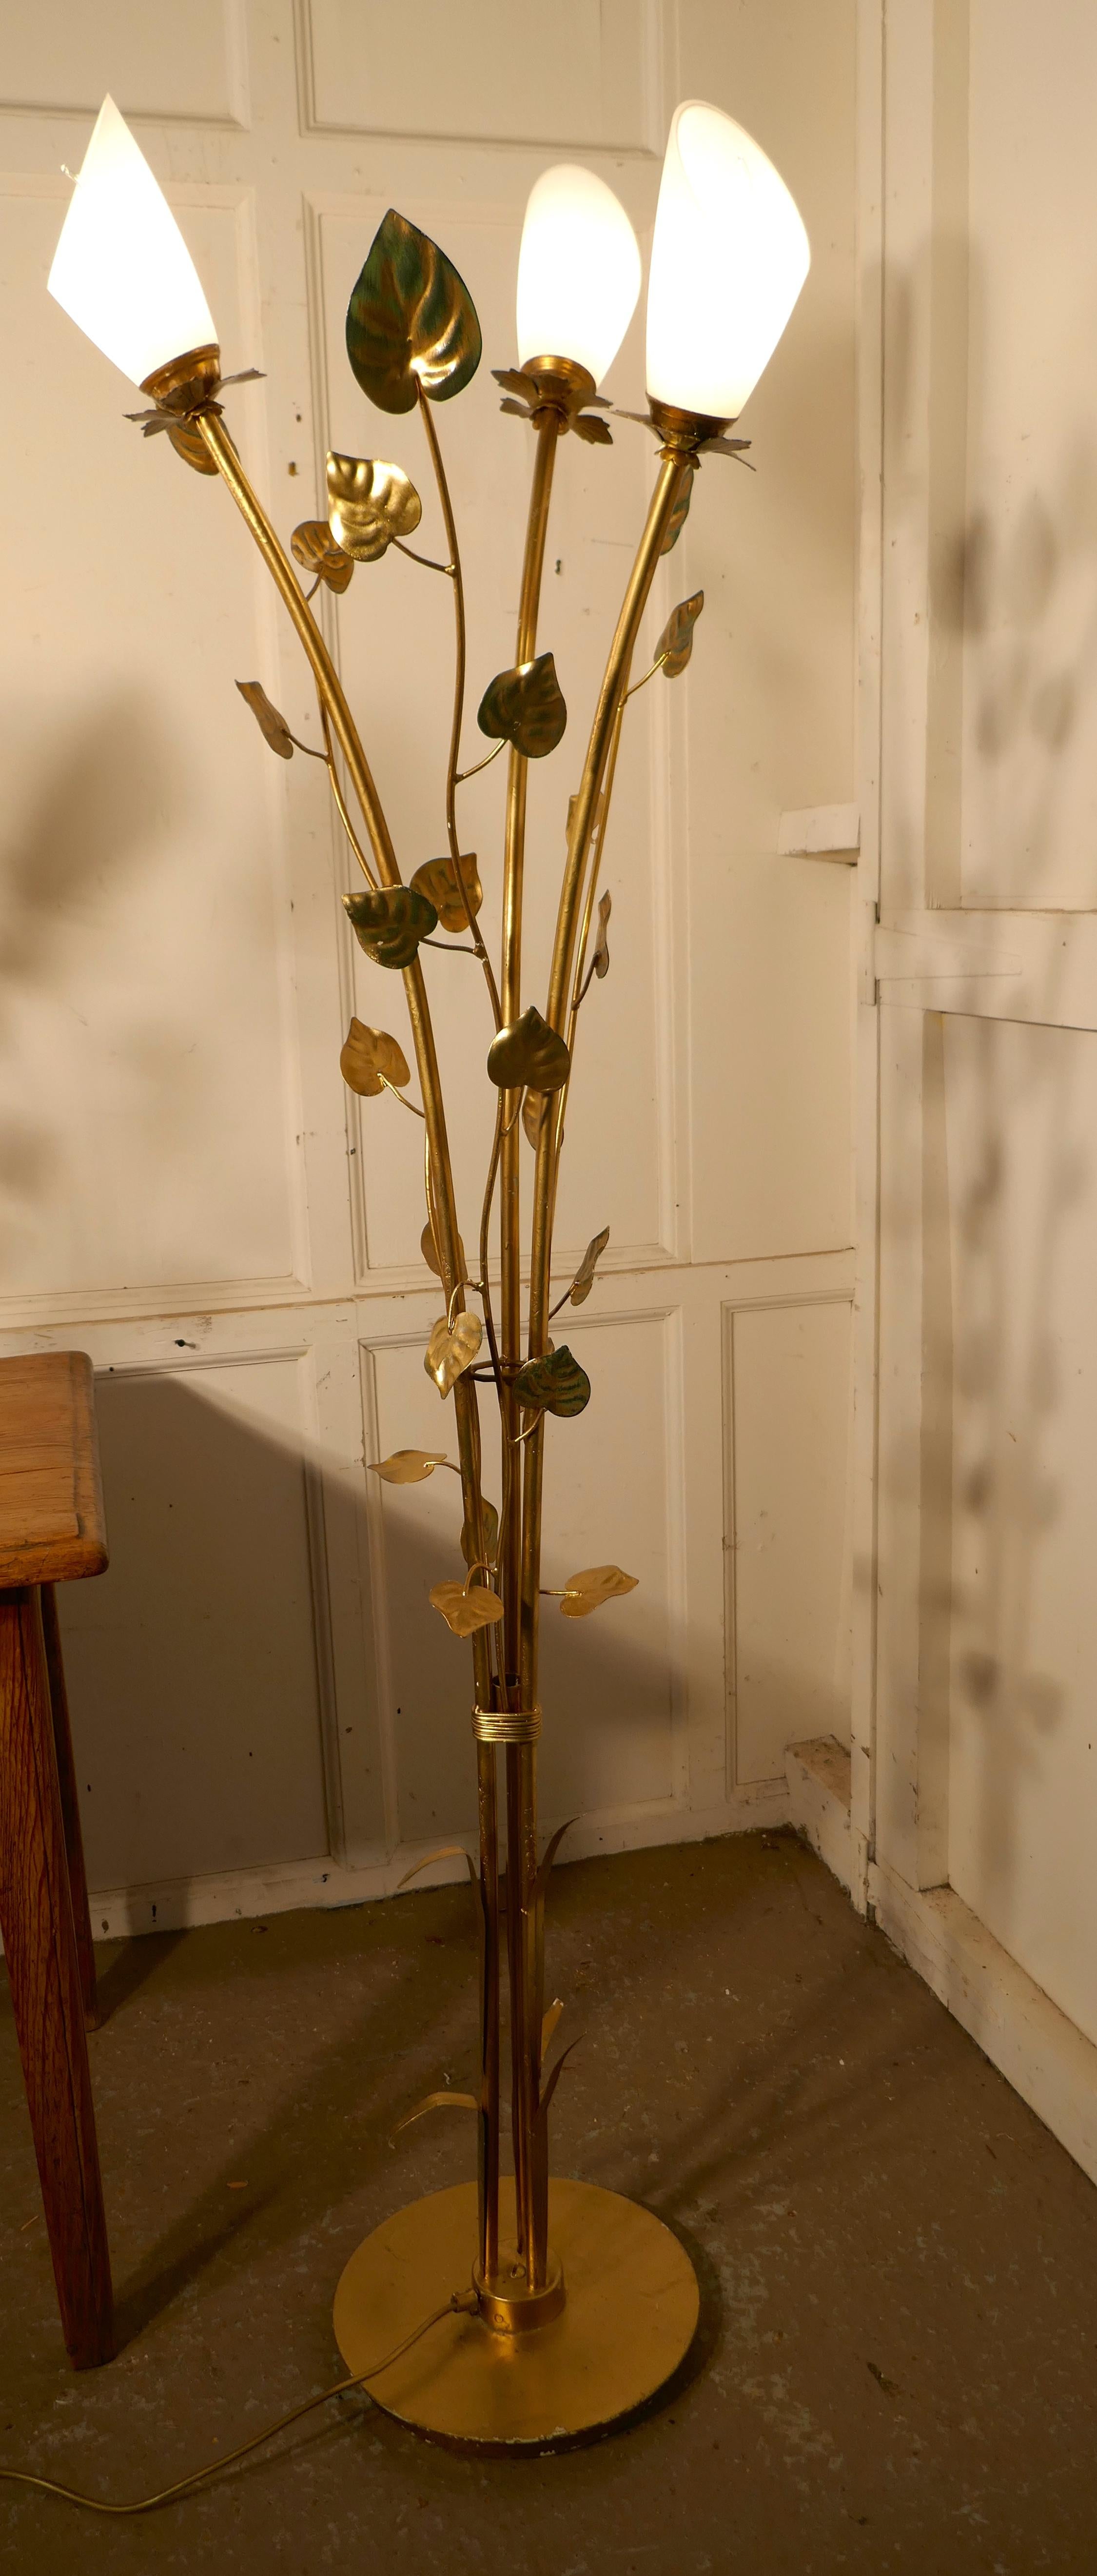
x,y
787,1402
155,62
585,75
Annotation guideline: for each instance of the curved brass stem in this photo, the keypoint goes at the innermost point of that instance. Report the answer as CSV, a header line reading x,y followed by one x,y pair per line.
x,y
458,697
341,802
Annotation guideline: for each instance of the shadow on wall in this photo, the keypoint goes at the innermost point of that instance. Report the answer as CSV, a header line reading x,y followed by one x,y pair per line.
x,y
1000,1179
223,1707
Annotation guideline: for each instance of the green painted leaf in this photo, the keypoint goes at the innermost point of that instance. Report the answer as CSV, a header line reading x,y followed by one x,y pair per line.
x,y
676,641
678,516
524,706
411,320
390,922
554,1384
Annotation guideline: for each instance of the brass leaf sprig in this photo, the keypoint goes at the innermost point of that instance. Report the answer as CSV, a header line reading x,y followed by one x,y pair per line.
x,y
525,396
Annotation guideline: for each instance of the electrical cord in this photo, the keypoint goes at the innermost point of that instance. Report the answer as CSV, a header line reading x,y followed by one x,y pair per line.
x,y
461,2303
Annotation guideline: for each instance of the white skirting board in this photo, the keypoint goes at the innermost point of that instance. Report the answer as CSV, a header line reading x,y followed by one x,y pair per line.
x,y
1045,2057
177,1905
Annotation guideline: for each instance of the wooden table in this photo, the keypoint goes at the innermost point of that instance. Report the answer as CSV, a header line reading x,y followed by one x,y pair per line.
x,y
52,1530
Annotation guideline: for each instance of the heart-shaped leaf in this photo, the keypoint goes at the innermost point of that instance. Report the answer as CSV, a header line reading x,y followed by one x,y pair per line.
x,y
463,1611
369,503
583,1281
600,959
390,921
430,1252
411,321
676,641
368,1054
437,879
679,515
534,1108
529,1052
524,706
597,1583
407,1466
272,726
449,1354
554,1384
314,546
490,1518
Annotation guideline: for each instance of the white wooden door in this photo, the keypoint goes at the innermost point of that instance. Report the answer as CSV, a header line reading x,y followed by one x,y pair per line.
x,y
266,1710
986,975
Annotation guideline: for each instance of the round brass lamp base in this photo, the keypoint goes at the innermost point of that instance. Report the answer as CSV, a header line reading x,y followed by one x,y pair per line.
x,y
628,2319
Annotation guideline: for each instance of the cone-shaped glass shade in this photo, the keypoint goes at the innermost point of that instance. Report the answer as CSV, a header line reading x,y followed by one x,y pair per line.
x,y
729,258
578,271
122,268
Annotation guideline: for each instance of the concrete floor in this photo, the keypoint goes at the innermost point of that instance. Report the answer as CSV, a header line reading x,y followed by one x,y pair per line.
x,y
900,2265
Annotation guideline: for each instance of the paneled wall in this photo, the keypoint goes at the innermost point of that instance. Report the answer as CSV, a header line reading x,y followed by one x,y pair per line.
x,y
267,1712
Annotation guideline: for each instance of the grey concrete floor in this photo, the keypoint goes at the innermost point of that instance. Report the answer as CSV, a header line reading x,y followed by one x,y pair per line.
x,y
900,2265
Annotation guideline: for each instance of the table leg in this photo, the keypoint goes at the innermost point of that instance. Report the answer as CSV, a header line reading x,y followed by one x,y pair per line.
x,y
44,1975
70,1805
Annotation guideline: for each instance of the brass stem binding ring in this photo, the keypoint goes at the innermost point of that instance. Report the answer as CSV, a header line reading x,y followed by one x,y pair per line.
x,y
506,1725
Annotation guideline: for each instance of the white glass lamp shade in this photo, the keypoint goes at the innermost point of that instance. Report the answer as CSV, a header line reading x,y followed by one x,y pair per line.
x,y
578,271
122,268
728,260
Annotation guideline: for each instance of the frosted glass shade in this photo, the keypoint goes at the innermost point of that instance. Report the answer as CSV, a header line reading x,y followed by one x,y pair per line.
x,y
728,260
578,271
122,268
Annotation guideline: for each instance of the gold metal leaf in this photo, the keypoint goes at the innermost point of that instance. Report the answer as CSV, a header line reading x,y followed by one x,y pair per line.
x,y
554,2078
676,641
314,546
490,1519
679,515
554,1384
430,1254
530,1053
534,1109
366,1055
525,707
550,2024
598,433
514,382
411,321
597,1583
272,726
390,921
189,443
445,1851
463,1611
583,1281
445,2101
369,503
548,1856
437,879
449,1354
600,959
407,1466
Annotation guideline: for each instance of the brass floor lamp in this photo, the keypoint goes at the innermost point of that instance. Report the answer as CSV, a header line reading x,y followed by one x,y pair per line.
x,y
581,2302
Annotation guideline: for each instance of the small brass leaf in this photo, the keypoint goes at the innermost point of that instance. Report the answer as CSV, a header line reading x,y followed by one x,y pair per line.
x,y
411,320
554,1384
524,706
445,2101
600,959
531,1053
437,879
550,2024
445,1851
597,432
463,1611
390,921
583,1281
490,1519
449,1354
554,2078
514,382
534,1108
679,515
366,1055
189,443
314,546
407,1466
597,1583
272,726
676,641
369,503
430,1255
548,1856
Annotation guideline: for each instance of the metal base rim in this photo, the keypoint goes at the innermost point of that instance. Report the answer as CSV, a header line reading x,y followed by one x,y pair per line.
x,y
631,2314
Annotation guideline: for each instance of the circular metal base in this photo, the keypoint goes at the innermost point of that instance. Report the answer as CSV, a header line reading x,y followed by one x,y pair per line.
x,y
629,2317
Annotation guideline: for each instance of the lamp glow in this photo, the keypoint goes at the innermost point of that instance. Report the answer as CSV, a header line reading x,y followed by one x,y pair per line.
x,y
728,260
578,271
122,269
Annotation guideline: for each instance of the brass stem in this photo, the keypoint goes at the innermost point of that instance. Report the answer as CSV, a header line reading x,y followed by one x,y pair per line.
x,y
341,802
458,696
